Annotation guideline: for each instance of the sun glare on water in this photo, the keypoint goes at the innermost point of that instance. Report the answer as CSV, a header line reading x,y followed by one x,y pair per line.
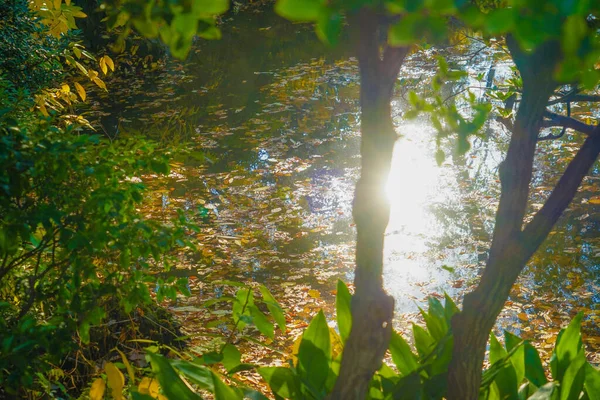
x,y
415,182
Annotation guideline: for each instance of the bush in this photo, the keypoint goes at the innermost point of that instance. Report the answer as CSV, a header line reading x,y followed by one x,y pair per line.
x,y
71,238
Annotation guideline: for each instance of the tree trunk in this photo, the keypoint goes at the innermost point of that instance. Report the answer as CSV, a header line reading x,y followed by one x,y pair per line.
x,y
372,307
512,246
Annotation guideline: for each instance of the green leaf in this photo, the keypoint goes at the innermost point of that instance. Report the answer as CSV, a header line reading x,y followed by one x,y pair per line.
x,y
403,357
574,30
423,340
274,307
282,381
209,7
170,382
231,357
210,33
572,382
198,374
517,358
300,10
314,353
450,308
224,392
567,347
261,322
406,31
440,157
500,20
329,27
534,370
592,382
545,392
343,310
506,378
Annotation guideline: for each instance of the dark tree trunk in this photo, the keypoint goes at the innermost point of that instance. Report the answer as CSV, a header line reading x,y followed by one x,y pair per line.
x,y
372,307
512,246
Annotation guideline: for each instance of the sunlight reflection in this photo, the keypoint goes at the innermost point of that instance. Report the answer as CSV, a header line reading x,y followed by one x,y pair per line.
x,y
415,182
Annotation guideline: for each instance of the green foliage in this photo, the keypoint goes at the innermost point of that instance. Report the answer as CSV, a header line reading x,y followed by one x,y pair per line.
x,y
29,58
175,22
71,239
516,371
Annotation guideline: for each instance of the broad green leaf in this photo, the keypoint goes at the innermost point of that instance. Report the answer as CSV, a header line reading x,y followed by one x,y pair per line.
x,y
170,382
592,382
450,308
517,358
343,310
406,31
574,30
572,382
314,353
423,340
300,10
231,357
506,378
224,392
329,27
545,392
209,7
282,381
274,307
500,20
534,370
567,347
403,357
261,322
198,374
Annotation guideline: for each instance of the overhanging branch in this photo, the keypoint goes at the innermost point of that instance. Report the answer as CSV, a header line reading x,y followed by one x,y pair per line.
x,y
538,229
554,120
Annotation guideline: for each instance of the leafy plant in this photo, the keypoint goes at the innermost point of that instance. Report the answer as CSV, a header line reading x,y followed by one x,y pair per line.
x,y
71,239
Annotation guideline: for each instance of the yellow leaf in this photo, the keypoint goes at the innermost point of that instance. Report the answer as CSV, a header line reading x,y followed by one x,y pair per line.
x,y
97,389
130,370
116,380
315,294
594,200
103,66
68,2
110,63
149,386
78,14
92,74
100,83
81,67
65,88
43,110
523,317
80,90
56,4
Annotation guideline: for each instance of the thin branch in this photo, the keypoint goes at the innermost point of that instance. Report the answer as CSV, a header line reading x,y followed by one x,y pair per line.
x,y
540,226
567,122
576,98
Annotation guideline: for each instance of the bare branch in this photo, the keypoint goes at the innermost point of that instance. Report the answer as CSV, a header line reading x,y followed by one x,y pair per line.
x,y
554,120
543,221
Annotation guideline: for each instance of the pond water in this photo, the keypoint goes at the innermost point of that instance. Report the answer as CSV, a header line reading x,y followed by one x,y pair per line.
x,y
271,120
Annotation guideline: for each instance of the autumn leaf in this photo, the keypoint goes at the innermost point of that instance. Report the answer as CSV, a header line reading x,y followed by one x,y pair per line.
x,y
80,91
97,389
116,380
